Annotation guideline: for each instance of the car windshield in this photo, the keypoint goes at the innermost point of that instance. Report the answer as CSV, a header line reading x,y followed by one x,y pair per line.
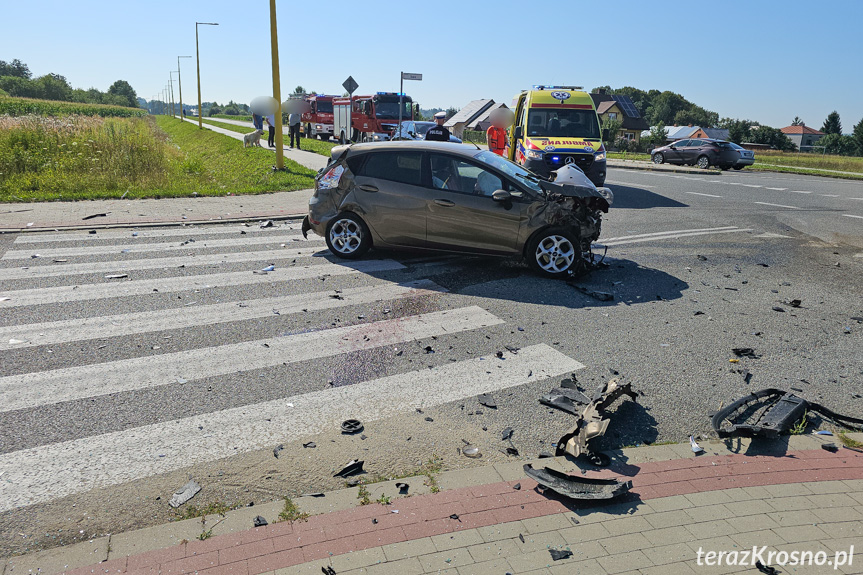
x,y
526,177
325,107
423,127
562,123
388,108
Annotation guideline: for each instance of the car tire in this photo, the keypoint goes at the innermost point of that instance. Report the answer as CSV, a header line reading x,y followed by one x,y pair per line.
x,y
348,236
738,167
554,252
724,168
703,162
658,158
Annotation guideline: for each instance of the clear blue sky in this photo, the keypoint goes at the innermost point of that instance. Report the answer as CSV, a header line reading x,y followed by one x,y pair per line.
x,y
766,60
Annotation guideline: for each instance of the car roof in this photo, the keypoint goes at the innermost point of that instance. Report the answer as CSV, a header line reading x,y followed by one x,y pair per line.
x,y
467,150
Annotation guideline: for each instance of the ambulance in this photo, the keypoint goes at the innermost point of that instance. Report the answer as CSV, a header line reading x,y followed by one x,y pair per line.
x,y
556,126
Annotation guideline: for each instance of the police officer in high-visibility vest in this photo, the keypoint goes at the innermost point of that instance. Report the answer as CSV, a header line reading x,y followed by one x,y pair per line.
x,y
438,133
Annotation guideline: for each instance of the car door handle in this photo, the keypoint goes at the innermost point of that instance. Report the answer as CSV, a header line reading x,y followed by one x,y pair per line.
x,y
444,203
368,188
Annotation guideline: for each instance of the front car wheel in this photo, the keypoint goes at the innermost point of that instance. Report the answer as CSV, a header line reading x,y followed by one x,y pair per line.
x,y
658,158
554,252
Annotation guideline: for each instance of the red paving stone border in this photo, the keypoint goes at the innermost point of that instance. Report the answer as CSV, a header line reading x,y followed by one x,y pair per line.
x,y
283,544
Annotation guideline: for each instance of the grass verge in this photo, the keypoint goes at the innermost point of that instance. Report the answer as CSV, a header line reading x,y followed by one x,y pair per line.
x,y
308,144
291,512
25,106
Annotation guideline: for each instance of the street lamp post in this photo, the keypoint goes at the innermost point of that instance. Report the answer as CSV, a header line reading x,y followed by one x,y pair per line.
x,y
198,56
173,102
180,85
277,92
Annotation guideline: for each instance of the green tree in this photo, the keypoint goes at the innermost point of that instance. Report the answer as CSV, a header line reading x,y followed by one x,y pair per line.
x,y
450,112
298,91
696,116
17,86
738,130
797,121
857,134
832,125
665,106
52,87
772,137
839,145
15,68
658,135
613,126
123,88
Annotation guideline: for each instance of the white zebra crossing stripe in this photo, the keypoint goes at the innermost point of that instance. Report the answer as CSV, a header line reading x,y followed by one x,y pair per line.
x,y
44,473
67,384
139,248
126,233
188,261
121,288
151,321
671,236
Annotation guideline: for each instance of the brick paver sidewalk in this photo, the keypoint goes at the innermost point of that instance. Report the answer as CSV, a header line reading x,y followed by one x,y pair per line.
x,y
807,499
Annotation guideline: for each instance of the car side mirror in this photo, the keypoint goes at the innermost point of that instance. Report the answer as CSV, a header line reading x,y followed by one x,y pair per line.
x,y
502,197
519,133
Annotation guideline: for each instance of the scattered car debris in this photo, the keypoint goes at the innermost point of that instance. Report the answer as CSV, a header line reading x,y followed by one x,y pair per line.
x,y
831,447
184,494
545,455
354,467
92,232
4,298
702,258
471,451
267,224
315,494
597,295
521,537
506,433
429,419
558,554
794,303
91,216
402,487
277,449
310,445
260,521
779,309
269,268
455,517
487,401
327,570
766,568
351,426
517,486
590,422
429,349
696,449
116,276
565,399
824,432
576,487
745,352
512,451
778,411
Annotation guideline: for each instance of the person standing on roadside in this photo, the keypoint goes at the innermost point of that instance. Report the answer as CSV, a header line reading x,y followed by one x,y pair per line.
x,y
258,122
496,138
271,122
294,128
438,133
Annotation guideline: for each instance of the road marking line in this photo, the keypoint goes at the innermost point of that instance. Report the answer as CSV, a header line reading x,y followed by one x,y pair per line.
x,y
853,216
673,237
160,247
782,190
823,195
706,195
777,205
752,185
188,261
166,319
617,183
146,232
122,288
861,199
80,465
605,240
30,390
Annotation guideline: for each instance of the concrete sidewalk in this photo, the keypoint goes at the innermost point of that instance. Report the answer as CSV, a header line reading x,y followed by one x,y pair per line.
x,y
788,495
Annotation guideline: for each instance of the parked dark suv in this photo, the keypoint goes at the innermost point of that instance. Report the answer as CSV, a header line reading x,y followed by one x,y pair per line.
x,y
701,152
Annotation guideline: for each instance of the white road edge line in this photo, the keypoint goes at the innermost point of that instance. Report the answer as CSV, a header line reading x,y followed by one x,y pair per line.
x,y
31,390
780,189
705,195
168,319
605,240
777,205
49,472
853,216
673,237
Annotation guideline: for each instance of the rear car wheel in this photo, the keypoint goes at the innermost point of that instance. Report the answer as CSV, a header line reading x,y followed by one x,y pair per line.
x,y
703,162
658,158
554,252
348,236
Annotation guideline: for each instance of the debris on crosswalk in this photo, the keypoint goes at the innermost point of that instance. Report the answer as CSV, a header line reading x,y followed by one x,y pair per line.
x,y
487,400
696,449
507,433
597,295
351,426
185,493
116,276
310,445
267,224
277,449
558,554
576,487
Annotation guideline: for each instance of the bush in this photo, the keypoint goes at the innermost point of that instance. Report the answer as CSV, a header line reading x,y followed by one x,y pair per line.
x,y
25,106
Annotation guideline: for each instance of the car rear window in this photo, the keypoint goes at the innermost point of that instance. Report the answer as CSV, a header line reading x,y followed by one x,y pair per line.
x,y
403,167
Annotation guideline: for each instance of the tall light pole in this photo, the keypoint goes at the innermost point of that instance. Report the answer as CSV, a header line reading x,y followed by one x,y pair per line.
x,y
277,91
198,55
180,85
173,101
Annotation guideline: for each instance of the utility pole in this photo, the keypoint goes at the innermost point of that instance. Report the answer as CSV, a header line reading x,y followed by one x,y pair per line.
x,y
198,55
277,92
180,85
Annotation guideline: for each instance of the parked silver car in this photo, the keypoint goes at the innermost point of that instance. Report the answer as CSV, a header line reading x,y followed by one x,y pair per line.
x,y
414,130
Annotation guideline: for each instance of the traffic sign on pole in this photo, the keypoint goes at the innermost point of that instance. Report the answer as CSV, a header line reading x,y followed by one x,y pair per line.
x,y
350,85
405,76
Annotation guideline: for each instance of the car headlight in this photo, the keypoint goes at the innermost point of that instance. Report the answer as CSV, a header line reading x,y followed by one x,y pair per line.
x,y
607,194
599,156
533,154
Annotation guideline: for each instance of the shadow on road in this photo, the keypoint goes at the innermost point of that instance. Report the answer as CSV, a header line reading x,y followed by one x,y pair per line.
x,y
631,198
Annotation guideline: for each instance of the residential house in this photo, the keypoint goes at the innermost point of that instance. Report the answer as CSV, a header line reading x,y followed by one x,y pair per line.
x,y
457,124
620,107
802,135
712,133
482,122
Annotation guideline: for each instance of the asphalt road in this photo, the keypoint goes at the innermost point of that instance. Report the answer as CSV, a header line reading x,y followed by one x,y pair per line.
x,y
115,390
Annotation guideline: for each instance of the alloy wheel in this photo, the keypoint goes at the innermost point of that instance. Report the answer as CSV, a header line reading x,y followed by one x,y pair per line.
x,y
555,254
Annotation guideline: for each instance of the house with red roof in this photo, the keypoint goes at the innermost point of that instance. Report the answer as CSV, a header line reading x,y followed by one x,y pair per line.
x,y
802,135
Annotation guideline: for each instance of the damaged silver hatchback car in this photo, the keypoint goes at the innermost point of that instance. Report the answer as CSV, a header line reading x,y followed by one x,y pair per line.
x,y
456,198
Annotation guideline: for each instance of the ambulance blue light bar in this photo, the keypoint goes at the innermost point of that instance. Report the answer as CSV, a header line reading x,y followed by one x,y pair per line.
x,y
542,87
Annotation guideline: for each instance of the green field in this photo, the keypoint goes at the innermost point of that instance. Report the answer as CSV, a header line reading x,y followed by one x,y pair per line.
x,y
25,106
246,118
309,144
44,158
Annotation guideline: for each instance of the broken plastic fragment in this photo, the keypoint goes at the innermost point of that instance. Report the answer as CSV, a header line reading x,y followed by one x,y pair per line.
x,y
4,298
327,570
745,352
90,217
351,426
517,486
521,537
487,400
185,493
277,449
310,445
777,308
576,487
512,451
766,568
402,487
831,447
471,451
269,268
116,276
696,449
267,224
823,432
260,521
506,433
352,468
558,554
16,341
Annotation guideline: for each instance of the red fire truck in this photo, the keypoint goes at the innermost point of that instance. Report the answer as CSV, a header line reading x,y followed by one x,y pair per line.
x,y
318,121
372,118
